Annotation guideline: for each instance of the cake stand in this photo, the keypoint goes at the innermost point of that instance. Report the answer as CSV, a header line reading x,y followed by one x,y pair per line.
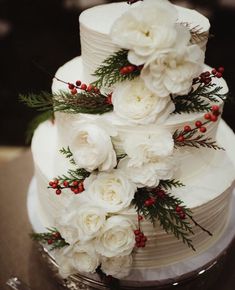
x,y
198,272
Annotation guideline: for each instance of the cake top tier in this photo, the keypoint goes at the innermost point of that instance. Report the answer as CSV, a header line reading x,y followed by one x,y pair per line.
x,y
96,25
101,18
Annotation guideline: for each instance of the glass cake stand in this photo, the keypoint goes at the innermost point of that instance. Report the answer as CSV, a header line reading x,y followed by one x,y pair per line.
x,y
198,272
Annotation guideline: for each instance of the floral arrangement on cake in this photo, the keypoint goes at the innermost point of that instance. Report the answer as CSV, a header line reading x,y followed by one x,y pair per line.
x,y
157,72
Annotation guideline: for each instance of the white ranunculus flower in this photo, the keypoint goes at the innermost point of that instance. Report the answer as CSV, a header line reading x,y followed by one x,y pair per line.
x,y
172,71
134,102
80,221
111,191
77,258
145,28
149,174
148,146
116,238
92,148
118,267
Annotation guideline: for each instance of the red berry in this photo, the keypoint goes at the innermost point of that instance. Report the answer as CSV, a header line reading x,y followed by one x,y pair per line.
x,y
56,181
142,244
198,124
50,241
83,87
203,129
148,202
140,218
96,90
215,108
137,239
78,83
74,91
187,128
89,88
75,183
182,215
109,99
56,235
161,193
130,68
58,191
65,183
71,86
138,244
207,74
207,81
76,191
178,209
144,239
72,188
219,75
136,232
51,183
214,118
54,185
81,187
214,71
207,116
124,70
181,138
221,69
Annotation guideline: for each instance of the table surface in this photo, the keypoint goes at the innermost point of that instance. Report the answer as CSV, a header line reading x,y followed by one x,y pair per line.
x,y
18,254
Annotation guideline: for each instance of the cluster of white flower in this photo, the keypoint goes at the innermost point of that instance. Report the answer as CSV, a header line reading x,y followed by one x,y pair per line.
x,y
98,233
170,62
94,223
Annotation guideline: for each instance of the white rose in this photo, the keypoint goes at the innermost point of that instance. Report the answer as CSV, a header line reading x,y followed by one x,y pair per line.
x,y
118,267
172,71
133,101
80,221
148,146
148,174
112,191
116,237
92,148
77,258
146,28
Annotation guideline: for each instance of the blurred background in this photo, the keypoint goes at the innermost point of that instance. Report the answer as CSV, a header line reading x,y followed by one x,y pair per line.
x,y
47,32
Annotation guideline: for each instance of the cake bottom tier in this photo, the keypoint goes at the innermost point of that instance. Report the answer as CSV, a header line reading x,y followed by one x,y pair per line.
x,y
207,193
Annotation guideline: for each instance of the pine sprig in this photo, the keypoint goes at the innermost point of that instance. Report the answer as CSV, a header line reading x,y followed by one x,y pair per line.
x,y
199,141
199,99
109,72
78,174
197,33
52,238
164,211
40,102
68,154
169,184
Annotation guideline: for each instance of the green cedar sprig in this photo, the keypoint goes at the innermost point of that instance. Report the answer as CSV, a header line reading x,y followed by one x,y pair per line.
x,y
78,174
198,99
164,211
51,238
193,139
68,154
109,73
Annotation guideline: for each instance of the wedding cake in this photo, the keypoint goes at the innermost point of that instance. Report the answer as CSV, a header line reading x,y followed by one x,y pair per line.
x,y
131,176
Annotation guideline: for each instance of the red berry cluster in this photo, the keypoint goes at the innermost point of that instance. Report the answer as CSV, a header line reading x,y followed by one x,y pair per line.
x,y
53,238
209,117
213,116
160,193
206,77
125,70
140,239
76,186
179,210
81,86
